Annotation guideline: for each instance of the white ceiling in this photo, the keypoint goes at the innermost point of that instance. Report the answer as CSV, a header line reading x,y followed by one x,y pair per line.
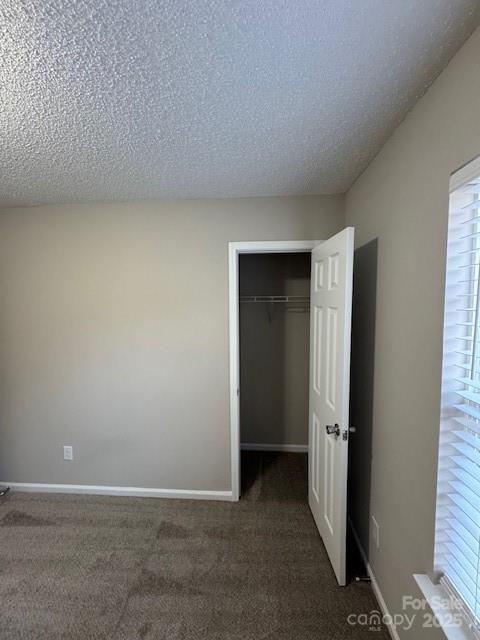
x,y
123,99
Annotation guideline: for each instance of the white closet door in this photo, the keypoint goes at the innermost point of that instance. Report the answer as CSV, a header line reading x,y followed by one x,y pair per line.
x,y
330,331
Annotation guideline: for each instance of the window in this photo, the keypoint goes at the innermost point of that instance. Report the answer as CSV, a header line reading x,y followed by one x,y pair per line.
x,y
457,542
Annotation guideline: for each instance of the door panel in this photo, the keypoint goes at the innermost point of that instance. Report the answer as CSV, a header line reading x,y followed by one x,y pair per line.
x,y
330,329
317,347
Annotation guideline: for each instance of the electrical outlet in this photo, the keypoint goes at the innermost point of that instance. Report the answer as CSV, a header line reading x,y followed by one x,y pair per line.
x,y
67,452
375,532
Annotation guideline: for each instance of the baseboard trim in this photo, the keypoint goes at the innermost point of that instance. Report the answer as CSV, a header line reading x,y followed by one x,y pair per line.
x,y
290,448
376,589
102,490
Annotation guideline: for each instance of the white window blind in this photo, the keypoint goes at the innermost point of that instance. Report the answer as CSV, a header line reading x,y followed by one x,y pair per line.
x,y
457,544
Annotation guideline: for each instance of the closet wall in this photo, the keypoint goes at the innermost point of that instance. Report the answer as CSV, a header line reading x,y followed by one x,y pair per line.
x,y
274,350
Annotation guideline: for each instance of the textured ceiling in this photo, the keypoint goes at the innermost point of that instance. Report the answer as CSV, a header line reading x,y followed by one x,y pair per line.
x,y
123,99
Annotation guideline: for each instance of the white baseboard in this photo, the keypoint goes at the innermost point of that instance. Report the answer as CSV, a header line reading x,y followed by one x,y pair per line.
x,y
376,589
102,490
290,448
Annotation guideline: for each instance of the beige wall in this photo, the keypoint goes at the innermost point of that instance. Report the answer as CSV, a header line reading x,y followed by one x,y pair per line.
x,y
114,336
274,350
402,200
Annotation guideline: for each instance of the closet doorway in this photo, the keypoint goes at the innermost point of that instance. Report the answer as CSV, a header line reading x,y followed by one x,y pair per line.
x,y
272,339
274,330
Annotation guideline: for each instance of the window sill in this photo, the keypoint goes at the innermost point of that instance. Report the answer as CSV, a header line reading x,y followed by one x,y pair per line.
x,y
435,595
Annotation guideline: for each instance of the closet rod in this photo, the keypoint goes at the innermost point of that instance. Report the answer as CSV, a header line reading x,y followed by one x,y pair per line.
x,y
295,299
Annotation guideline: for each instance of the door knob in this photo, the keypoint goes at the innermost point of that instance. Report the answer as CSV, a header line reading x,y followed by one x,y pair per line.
x,y
330,428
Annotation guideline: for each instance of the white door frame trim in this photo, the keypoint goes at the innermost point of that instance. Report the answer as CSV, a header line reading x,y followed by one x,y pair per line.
x,y
234,250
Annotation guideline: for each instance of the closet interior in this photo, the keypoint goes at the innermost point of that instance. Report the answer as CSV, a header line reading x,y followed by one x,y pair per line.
x,y
274,350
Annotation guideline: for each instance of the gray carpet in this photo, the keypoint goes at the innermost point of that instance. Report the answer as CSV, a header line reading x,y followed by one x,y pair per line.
x,y
105,568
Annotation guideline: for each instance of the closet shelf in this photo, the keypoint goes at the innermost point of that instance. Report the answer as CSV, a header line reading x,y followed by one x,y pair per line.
x,y
284,299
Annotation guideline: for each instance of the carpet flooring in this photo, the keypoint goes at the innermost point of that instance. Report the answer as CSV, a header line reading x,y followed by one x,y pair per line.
x,y
112,568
